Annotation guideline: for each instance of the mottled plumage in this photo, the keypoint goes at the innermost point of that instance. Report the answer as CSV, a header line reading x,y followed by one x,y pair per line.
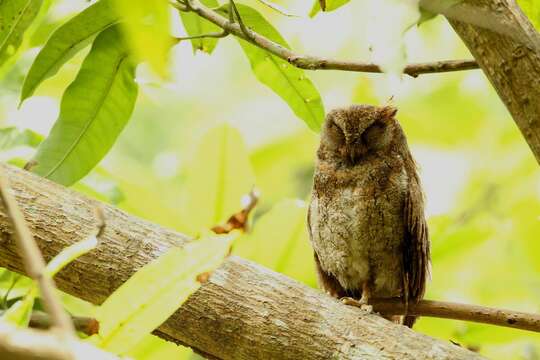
x,y
366,217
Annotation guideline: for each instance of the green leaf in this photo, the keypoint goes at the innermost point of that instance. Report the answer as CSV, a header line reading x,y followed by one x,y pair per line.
x,y
153,347
15,18
147,24
281,233
287,81
19,313
94,110
331,5
219,175
66,41
18,146
196,25
531,8
154,292
12,137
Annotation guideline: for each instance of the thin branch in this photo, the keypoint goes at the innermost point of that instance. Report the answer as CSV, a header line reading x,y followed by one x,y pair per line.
x,y
203,36
457,311
33,261
87,325
31,344
313,62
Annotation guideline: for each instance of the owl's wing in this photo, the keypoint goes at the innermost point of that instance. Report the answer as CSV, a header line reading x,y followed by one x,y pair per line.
x,y
416,252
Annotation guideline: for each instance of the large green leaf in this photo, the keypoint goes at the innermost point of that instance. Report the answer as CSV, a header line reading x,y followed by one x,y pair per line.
x,y
154,292
196,25
93,112
15,18
287,81
330,6
219,175
66,41
147,24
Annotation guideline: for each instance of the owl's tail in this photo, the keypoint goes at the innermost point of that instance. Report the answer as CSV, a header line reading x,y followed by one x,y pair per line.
x,y
409,320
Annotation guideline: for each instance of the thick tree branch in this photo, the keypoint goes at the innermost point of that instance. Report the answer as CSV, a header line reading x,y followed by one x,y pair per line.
x,y
318,63
244,311
510,62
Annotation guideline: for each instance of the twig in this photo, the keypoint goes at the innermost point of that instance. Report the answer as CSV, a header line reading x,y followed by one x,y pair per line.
x,y
32,344
33,261
457,311
86,325
318,63
203,36
238,221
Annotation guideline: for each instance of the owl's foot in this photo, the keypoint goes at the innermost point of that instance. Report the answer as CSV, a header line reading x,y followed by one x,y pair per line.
x,y
362,303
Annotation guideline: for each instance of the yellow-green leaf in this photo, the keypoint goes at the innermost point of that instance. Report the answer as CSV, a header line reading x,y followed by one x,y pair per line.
x,y
19,313
196,25
66,41
94,110
147,24
219,175
153,347
331,5
287,81
154,292
15,18
532,9
70,254
281,232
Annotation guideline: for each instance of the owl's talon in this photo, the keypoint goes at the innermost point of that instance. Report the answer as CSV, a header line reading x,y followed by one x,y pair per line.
x,y
349,301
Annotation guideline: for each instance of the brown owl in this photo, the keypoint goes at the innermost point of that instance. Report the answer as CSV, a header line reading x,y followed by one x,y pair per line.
x,y
366,217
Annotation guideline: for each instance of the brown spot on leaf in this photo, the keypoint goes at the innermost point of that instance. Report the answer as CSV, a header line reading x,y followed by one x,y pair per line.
x,y
238,221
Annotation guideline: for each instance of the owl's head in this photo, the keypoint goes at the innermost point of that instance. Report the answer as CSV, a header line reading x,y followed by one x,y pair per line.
x,y
351,133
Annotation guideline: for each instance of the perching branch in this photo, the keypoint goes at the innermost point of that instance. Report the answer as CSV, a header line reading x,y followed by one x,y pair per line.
x,y
313,62
457,311
33,261
243,311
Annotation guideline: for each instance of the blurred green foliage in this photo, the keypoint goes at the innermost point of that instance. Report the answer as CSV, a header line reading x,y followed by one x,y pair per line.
x,y
213,121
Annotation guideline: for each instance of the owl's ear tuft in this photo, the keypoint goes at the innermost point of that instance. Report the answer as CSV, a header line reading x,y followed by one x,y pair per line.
x,y
388,112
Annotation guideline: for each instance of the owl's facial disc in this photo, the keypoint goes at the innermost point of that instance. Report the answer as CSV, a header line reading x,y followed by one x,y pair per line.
x,y
350,133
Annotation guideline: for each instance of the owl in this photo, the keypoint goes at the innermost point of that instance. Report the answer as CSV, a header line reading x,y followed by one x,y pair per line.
x,y
366,215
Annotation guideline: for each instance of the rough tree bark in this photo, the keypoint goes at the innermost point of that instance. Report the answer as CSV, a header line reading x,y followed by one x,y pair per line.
x,y
512,66
244,312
